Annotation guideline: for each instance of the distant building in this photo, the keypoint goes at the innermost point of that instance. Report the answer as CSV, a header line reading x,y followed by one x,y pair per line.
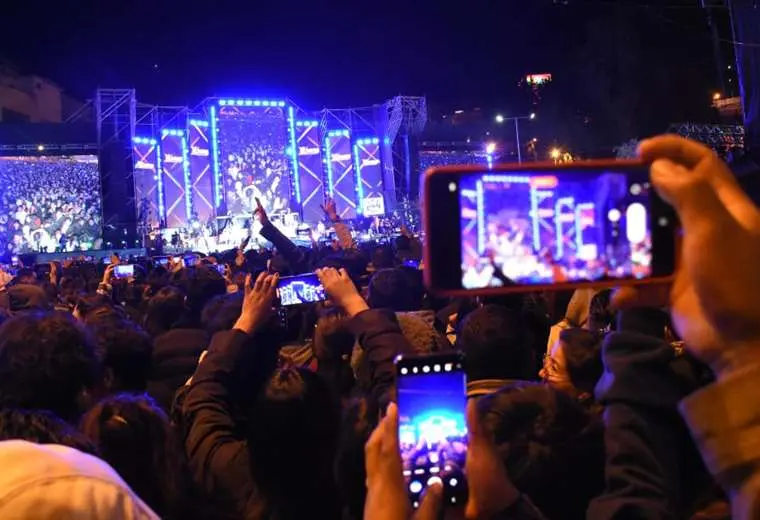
x,y
32,99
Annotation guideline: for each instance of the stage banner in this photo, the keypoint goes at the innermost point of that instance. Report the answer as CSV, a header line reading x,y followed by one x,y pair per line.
x,y
174,177
148,196
201,181
341,180
310,170
252,139
369,173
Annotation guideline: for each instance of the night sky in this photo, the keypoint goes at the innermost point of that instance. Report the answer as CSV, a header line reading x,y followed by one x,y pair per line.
x,y
354,53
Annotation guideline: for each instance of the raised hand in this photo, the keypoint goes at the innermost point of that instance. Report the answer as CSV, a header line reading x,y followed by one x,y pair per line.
x,y
257,302
329,209
712,297
341,290
261,213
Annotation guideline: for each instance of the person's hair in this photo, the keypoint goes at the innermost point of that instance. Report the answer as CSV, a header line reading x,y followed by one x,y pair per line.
x,y
394,289
583,357
221,312
87,302
42,427
200,285
47,361
332,346
292,439
600,314
359,420
132,434
553,450
165,311
422,336
382,258
497,344
124,350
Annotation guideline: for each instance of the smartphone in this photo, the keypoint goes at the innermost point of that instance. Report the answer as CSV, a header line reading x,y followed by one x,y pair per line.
x,y
220,268
163,261
124,271
191,260
412,263
545,226
432,396
296,290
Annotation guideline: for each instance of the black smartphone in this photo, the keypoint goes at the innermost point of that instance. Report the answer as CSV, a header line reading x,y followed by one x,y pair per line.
x,y
303,288
431,398
124,271
539,227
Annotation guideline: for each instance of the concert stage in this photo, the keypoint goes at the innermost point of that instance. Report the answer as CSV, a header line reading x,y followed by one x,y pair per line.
x,y
199,170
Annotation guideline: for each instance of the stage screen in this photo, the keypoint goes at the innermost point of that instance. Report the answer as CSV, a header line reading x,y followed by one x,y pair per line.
x,y
370,175
200,171
174,166
340,172
50,203
310,170
253,141
145,154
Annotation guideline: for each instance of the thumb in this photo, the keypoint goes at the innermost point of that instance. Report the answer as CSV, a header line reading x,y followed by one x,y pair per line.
x,y
432,503
691,193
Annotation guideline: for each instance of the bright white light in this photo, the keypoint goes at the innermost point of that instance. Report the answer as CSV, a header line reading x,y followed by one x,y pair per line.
x,y
635,189
415,486
404,371
426,369
459,111
490,148
436,368
452,187
636,223
415,370
40,148
447,367
434,480
499,118
614,215
453,482
532,115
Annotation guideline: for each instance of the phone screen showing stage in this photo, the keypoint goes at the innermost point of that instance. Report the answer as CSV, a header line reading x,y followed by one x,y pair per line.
x,y
296,290
552,227
124,271
432,427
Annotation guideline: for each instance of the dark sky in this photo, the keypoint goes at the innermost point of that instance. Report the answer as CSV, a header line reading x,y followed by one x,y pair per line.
x,y
335,53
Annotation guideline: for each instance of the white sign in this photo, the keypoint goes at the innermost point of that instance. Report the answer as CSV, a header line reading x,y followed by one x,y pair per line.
x,y
372,206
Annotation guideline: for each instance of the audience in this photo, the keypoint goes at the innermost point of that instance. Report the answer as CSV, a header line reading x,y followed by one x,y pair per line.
x,y
290,414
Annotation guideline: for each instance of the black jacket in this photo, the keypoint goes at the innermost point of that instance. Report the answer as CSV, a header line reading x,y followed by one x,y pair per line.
x,y
175,357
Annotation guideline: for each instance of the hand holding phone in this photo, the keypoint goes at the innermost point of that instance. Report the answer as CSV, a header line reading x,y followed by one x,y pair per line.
x,y
296,290
544,227
124,271
432,427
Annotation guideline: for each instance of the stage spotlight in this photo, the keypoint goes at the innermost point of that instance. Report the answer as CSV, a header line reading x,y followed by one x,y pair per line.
x,y
716,96
499,118
555,153
614,215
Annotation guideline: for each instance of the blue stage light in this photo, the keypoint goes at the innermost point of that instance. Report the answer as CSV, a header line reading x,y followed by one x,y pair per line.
x,y
328,162
248,102
256,103
239,102
222,102
186,172
293,153
359,187
215,157
281,104
161,209
198,123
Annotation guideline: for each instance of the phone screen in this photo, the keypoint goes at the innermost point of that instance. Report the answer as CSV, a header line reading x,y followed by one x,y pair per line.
x,y
296,290
432,427
523,227
124,271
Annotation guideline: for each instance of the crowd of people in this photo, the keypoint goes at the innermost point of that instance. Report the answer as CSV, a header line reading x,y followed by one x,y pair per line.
x,y
49,204
257,169
180,392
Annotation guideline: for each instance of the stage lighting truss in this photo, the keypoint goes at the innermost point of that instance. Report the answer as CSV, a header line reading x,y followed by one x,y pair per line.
x,y
719,137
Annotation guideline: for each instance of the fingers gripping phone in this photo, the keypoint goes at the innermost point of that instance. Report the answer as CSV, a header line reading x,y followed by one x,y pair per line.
x,y
297,290
538,227
431,396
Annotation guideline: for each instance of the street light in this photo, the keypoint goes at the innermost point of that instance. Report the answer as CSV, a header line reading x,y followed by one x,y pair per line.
x,y
490,148
555,153
501,119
